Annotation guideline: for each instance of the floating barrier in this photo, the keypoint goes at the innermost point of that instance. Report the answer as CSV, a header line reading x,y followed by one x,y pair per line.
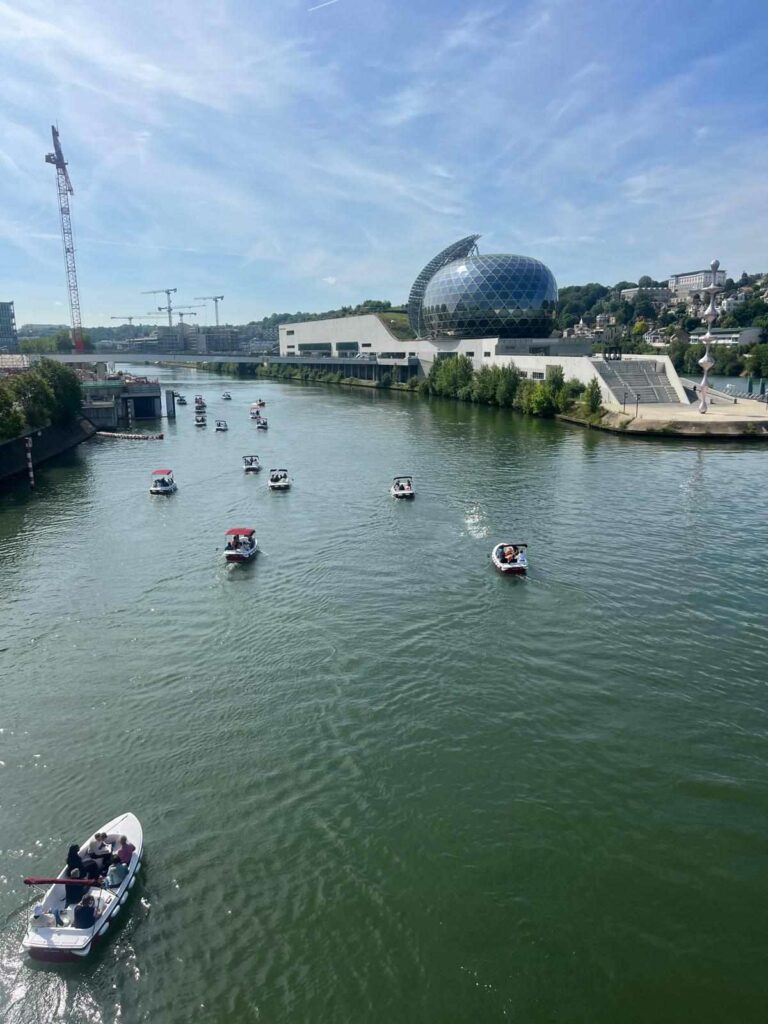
x,y
130,437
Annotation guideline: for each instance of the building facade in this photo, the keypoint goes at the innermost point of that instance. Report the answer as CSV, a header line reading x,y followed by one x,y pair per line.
x,y
682,285
9,339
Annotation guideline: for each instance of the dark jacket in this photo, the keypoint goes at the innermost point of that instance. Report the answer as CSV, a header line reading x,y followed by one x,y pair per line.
x,y
85,917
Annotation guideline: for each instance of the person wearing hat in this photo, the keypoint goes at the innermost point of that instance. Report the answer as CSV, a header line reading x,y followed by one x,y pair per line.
x,y
41,919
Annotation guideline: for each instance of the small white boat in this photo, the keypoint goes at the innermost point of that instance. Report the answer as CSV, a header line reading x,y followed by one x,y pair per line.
x,y
241,544
62,941
255,411
200,420
510,559
402,487
279,480
227,397
199,402
261,403
251,464
181,400
162,482
261,424
221,425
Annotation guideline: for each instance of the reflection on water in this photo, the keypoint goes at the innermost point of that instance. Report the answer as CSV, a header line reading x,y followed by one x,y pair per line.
x,y
377,781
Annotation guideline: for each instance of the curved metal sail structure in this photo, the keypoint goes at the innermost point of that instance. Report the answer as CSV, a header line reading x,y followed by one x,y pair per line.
x,y
459,250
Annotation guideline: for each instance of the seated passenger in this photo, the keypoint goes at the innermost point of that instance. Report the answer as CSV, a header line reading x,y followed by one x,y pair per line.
x,y
73,893
86,913
100,851
117,871
125,851
40,919
510,553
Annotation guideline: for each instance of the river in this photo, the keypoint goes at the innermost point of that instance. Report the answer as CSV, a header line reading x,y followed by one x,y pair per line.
x,y
378,782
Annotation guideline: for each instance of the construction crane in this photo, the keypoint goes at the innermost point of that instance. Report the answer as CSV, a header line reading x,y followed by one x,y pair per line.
x,y
135,316
215,299
168,307
65,190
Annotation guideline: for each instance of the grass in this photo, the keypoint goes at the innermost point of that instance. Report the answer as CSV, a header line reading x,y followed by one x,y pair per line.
x,y
397,324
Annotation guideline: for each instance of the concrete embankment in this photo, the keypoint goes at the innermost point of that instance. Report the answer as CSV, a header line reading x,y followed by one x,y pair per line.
x,y
46,442
723,422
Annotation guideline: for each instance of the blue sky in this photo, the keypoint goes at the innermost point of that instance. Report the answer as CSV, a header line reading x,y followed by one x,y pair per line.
x,y
298,159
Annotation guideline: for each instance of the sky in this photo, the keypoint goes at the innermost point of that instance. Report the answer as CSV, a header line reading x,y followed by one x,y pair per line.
x,y
299,155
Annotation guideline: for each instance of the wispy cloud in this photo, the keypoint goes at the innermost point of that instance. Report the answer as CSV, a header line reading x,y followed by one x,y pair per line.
x,y
247,147
327,3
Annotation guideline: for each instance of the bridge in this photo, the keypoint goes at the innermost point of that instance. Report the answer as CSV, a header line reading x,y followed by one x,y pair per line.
x,y
120,356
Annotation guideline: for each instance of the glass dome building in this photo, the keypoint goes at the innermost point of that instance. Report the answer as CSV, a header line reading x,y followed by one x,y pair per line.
x,y
497,295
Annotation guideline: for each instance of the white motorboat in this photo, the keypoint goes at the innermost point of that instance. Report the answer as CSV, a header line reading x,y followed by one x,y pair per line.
x,y
255,411
261,424
200,402
251,464
181,400
402,487
279,480
162,482
241,544
510,558
62,941
221,425
227,397
200,420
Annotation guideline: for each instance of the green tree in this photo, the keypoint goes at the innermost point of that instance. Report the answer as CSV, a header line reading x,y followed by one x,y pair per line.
x,y
67,395
593,398
11,418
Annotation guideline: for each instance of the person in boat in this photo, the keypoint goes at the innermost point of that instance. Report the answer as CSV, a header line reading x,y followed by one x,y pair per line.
x,y
510,554
100,850
117,871
86,913
84,868
125,851
41,919
73,893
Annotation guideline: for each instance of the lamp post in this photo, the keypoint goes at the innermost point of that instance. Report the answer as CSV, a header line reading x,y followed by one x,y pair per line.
x,y
710,315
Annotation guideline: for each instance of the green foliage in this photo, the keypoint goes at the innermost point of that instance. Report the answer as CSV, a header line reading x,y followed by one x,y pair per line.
x,y
385,381
592,397
48,394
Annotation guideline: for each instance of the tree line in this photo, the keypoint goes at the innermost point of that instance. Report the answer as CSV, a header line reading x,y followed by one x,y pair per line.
x,y
48,394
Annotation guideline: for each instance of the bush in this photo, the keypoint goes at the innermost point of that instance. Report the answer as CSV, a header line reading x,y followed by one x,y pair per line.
x,y
48,394
592,397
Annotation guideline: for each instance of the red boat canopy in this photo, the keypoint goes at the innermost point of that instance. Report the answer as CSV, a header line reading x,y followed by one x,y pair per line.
x,y
240,531
161,472
61,881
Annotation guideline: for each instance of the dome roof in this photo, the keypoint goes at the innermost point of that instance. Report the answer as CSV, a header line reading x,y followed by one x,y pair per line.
x,y
496,295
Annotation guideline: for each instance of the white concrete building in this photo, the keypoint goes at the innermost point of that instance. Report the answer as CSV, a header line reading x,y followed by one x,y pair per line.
x,y
681,285
362,346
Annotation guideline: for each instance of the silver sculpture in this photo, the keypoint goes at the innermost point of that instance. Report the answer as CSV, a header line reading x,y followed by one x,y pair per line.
x,y
710,315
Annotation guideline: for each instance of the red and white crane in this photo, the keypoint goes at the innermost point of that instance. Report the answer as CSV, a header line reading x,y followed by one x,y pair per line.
x,y
65,190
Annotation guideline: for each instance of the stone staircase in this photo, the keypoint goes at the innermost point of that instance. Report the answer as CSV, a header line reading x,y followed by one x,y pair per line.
x,y
644,380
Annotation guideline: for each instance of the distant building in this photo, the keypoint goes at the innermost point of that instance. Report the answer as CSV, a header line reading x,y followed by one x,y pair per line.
x,y
9,339
41,330
682,285
657,295
729,336
13,364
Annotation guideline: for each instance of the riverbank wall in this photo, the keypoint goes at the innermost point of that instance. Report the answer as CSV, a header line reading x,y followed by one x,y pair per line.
x,y
46,443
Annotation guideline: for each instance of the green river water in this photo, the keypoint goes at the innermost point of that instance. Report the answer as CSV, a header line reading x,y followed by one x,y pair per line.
x,y
378,782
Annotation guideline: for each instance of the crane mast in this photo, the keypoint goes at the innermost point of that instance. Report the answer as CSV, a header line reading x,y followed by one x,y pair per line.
x,y
65,190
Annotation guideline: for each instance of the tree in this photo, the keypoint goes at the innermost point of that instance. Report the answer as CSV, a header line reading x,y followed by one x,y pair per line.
x,y
646,282
11,419
640,328
592,397
644,307
63,382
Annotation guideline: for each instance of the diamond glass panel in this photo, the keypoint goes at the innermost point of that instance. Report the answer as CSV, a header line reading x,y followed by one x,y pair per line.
x,y
491,296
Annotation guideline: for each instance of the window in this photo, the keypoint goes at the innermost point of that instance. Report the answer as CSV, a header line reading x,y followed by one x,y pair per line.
x,y
366,344
290,332
523,373
537,375
487,355
411,355
470,355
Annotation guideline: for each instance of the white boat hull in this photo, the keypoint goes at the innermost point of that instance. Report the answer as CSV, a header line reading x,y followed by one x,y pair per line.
x,y
65,942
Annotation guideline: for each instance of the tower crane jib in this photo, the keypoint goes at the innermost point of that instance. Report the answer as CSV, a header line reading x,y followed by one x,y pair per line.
x,y
65,190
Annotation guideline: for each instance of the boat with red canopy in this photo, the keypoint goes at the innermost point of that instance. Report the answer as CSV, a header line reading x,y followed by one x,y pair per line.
x,y
162,482
241,544
51,934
